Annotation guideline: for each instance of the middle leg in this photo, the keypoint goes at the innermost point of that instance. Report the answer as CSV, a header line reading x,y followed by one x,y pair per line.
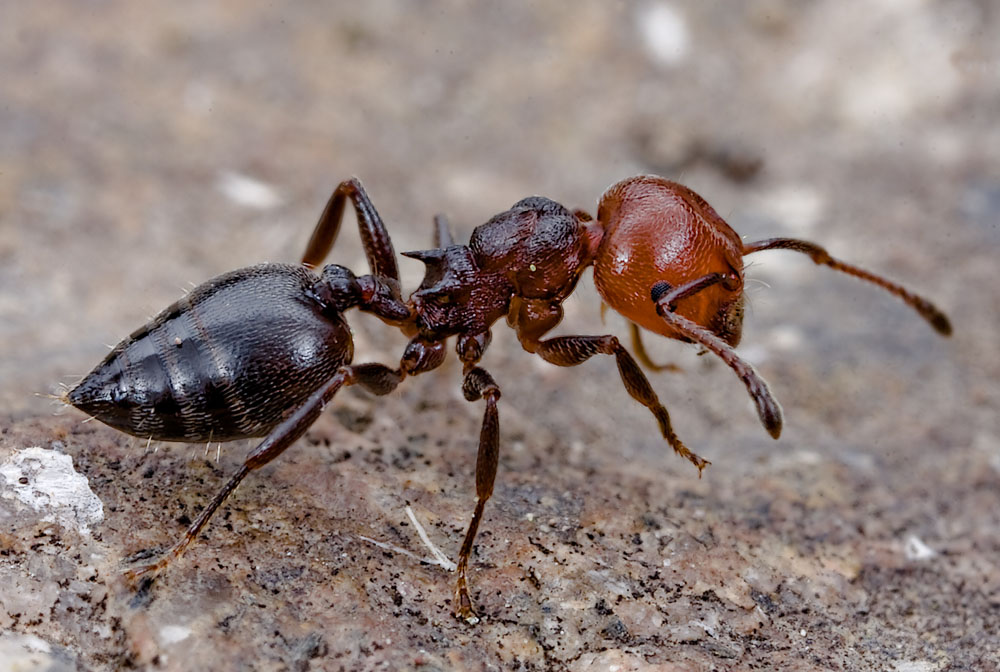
x,y
642,355
479,384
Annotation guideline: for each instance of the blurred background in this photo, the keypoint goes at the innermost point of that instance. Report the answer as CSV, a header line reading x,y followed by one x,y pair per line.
x,y
146,148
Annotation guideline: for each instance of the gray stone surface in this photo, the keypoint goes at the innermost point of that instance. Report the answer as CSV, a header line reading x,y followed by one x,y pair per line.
x,y
146,148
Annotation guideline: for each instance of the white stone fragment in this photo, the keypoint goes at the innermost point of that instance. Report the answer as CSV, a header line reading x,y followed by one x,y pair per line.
x,y
915,666
916,549
25,652
171,634
45,480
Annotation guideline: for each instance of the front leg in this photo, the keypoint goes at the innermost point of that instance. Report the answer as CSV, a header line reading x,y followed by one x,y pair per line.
x,y
532,319
573,350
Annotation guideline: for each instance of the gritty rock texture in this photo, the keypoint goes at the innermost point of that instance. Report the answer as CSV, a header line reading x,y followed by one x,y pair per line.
x,y
146,148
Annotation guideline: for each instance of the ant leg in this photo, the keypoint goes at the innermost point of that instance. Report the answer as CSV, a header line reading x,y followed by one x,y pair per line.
x,y
927,310
640,350
573,350
378,246
442,232
376,378
479,384
422,355
768,407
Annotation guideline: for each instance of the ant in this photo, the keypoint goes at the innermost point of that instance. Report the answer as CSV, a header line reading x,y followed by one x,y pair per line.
x,y
260,351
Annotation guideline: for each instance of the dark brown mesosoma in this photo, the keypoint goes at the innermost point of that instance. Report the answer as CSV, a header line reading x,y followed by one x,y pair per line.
x,y
258,352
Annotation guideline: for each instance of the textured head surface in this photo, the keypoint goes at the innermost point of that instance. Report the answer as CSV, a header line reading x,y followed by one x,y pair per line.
x,y
655,231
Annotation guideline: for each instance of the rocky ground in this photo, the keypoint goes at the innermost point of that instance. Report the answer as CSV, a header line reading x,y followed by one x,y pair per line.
x,y
145,149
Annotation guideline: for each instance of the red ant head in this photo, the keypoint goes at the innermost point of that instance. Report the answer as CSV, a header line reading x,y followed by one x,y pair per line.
x,y
656,235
